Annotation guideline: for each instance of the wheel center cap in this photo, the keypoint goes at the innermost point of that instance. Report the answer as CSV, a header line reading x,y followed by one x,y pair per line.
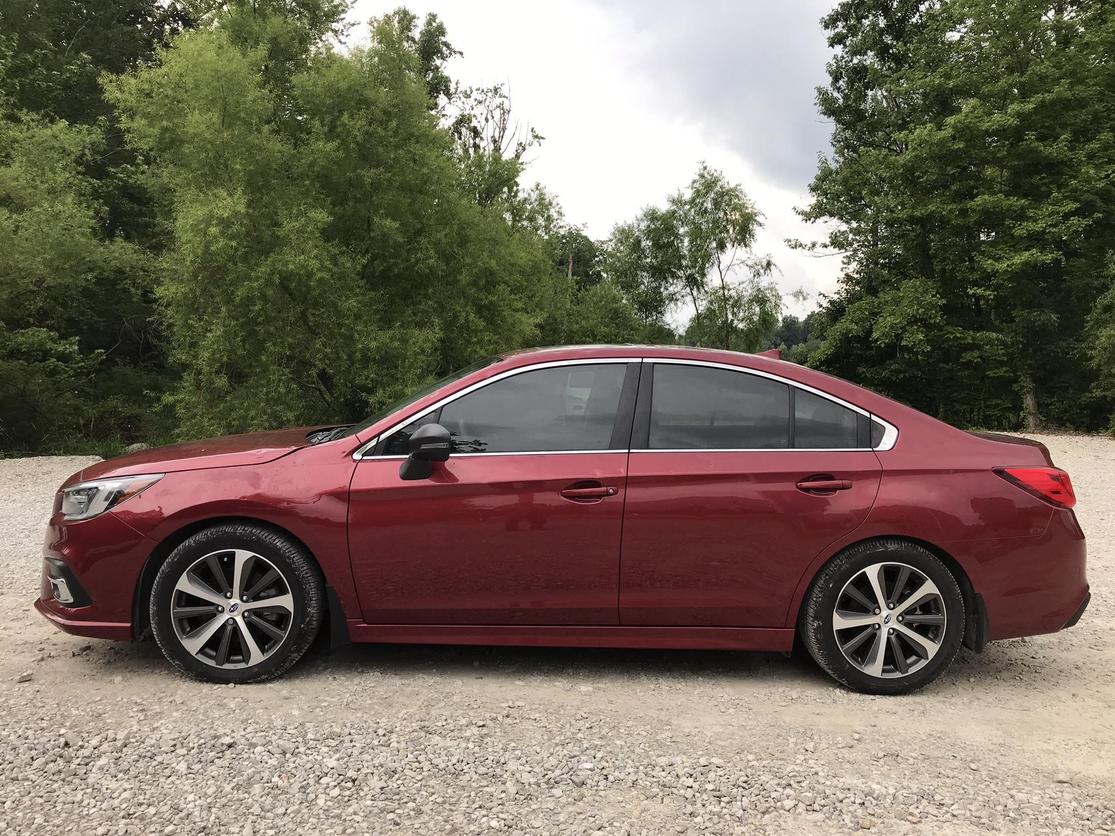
x,y
886,618
232,608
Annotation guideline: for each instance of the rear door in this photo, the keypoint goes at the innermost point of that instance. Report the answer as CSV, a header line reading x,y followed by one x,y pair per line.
x,y
736,481
522,524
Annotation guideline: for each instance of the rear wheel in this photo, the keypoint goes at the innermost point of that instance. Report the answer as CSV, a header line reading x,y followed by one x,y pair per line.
x,y
884,617
236,603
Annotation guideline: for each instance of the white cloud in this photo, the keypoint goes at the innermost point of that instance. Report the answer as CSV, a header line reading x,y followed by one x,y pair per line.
x,y
608,89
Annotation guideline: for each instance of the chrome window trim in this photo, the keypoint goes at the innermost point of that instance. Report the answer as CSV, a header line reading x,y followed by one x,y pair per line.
x,y
890,432
511,453
890,435
751,450
358,454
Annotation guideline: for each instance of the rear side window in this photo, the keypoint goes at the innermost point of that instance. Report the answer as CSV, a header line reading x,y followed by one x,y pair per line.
x,y
821,423
701,408
545,410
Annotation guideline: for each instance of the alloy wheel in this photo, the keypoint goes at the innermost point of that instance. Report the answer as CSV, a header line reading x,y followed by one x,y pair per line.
x,y
232,608
889,620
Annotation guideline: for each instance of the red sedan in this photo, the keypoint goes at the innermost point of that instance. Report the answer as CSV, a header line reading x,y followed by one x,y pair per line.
x,y
607,496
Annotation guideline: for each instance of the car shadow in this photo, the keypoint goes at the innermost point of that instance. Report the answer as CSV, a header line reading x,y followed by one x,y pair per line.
x,y
999,666
557,663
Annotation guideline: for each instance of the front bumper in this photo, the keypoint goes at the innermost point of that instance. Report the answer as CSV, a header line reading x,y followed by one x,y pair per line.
x,y
90,573
73,621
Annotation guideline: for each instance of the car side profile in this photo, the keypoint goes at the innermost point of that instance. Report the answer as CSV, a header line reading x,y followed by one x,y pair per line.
x,y
612,496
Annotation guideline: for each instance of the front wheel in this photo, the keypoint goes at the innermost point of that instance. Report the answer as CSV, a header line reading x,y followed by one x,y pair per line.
x,y
884,617
236,603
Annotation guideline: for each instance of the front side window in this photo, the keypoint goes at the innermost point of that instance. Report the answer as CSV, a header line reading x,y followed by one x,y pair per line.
x,y
702,408
556,409
396,444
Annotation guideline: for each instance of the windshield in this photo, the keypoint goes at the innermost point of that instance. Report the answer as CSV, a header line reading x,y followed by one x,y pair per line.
x,y
409,399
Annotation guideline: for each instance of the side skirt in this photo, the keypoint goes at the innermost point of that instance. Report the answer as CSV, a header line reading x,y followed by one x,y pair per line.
x,y
666,638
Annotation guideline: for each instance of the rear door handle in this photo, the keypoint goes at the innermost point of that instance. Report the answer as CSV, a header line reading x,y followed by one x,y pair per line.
x,y
593,493
813,485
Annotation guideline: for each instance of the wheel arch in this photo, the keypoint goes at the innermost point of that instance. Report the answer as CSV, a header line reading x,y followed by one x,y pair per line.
x,y
141,625
975,630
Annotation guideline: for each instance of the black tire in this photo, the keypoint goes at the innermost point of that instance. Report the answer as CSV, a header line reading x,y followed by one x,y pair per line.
x,y
298,572
816,623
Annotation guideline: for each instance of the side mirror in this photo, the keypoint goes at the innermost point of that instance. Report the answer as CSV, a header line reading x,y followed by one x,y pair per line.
x,y
428,444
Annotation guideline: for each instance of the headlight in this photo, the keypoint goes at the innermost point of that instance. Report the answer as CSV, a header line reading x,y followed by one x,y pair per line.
x,y
89,499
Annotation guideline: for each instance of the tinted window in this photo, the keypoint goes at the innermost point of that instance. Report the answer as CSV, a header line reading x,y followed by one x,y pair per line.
x,y
820,423
877,432
699,408
560,408
396,444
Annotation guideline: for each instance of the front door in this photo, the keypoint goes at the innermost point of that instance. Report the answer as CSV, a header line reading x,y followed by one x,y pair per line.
x,y
736,482
521,525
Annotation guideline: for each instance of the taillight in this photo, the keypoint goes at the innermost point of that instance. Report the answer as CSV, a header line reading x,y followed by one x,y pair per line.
x,y
1049,483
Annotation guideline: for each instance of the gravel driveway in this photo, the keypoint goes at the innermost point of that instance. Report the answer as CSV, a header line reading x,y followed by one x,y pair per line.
x,y
106,738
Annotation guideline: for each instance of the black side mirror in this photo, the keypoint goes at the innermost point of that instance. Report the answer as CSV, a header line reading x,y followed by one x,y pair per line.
x,y
428,444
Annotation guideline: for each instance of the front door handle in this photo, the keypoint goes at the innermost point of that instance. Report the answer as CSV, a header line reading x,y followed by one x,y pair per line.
x,y
588,493
826,485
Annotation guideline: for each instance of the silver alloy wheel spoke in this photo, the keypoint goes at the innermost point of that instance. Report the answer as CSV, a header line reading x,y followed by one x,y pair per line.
x,y
876,657
251,649
269,628
916,597
889,637
194,587
216,625
922,646
859,597
221,657
854,644
194,612
873,573
898,654
241,567
924,618
281,602
218,572
197,639
842,619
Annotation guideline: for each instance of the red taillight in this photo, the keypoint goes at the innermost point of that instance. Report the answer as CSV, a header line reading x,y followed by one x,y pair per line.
x,y
1049,483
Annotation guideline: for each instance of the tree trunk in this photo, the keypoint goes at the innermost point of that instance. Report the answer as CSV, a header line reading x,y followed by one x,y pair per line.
x,y
1030,417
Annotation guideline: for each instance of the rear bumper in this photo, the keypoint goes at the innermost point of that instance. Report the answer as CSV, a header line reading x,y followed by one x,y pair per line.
x,y
1079,611
70,621
1030,585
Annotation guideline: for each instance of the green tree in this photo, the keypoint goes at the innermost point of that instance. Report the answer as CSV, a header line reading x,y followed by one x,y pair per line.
x,y
327,253
63,286
693,250
972,180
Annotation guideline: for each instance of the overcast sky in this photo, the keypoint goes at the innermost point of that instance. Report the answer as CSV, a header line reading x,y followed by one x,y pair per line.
x,y
631,95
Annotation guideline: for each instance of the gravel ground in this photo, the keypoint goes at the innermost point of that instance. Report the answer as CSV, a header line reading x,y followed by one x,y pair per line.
x,y
105,738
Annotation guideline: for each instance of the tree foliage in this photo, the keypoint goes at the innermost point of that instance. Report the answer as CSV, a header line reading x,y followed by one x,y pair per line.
x,y
973,178
214,216
691,252
327,254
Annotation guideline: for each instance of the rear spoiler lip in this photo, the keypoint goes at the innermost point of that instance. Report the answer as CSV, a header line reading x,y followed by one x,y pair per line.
x,y
1003,438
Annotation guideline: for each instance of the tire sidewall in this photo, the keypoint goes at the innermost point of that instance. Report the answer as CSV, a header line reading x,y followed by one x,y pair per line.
x,y
821,602
286,558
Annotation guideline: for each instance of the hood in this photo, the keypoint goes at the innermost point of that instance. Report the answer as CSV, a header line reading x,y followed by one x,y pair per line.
x,y
229,451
